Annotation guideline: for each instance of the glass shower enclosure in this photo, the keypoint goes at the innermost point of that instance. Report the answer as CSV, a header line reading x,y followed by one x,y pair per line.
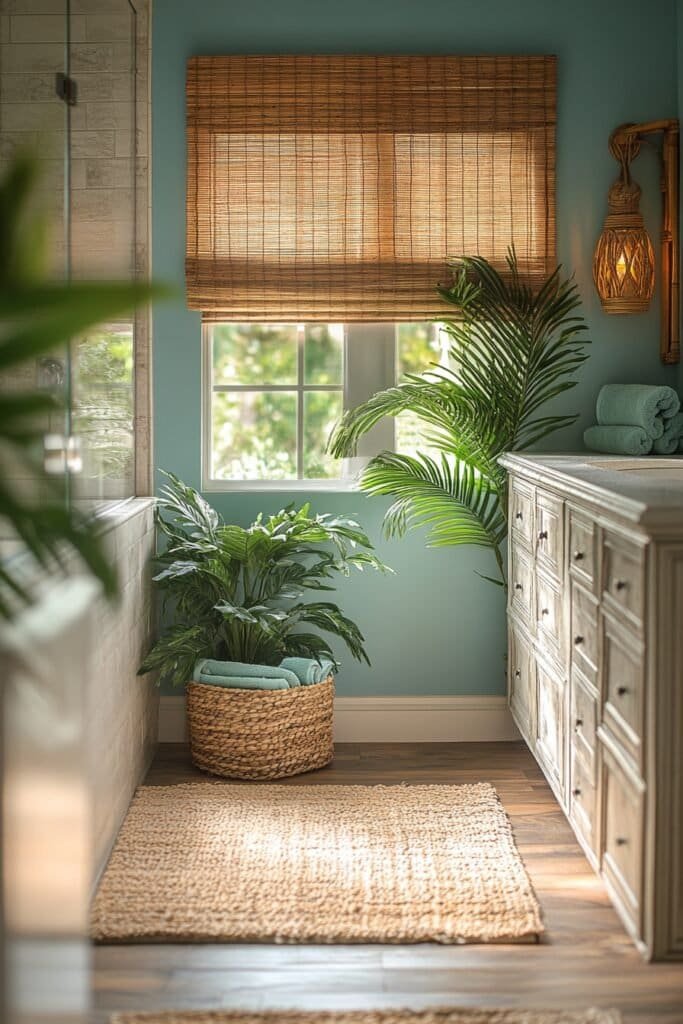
x,y
68,95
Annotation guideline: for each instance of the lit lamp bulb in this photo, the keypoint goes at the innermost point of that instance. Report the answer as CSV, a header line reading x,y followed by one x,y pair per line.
x,y
624,261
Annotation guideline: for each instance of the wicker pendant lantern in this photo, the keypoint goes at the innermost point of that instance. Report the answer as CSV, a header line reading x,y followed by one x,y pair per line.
x,y
624,260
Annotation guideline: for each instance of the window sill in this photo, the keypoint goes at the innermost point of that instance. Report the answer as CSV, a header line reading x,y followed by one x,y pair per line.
x,y
274,486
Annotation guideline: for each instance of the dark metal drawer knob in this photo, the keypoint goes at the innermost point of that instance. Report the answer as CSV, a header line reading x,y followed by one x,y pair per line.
x,y
576,792
518,586
622,690
578,640
543,535
621,841
518,515
578,723
545,611
518,674
621,585
578,556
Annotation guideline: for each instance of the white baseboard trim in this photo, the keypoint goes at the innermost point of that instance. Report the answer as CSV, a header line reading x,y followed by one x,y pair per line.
x,y
390,720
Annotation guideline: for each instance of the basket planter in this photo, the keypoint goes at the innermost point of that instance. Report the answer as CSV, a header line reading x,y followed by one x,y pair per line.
x,y
260,734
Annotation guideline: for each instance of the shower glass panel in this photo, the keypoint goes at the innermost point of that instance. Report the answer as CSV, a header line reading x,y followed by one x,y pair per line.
x,y
102,242
84,139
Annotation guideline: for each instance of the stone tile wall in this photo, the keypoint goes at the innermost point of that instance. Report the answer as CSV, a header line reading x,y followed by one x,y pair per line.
x,y
121,714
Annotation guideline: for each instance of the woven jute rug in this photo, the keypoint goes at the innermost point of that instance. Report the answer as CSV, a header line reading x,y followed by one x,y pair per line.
x,y
213,861
379,1017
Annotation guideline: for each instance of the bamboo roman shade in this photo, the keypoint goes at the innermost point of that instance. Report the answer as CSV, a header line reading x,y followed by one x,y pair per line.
x,y
333,188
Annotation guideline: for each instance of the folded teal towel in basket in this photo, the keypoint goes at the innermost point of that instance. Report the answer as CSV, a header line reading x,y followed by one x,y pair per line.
x,y
618,440
244,682
670,440
216,671
308,670
638,405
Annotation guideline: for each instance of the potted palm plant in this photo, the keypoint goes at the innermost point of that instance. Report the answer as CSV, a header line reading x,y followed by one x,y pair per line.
x,y
512,350
238,597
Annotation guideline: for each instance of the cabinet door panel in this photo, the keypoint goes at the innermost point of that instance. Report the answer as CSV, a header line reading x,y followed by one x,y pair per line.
x,y
623,686
550,731
521,584
622,856
522,510
521,682
584,632
624,578
583,719
583,802
582,560
549,534
549,617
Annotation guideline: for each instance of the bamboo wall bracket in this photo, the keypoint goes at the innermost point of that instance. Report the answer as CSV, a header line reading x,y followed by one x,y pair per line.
x,y
626,139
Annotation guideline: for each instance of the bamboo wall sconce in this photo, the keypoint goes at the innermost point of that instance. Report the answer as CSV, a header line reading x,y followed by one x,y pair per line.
x,y
624,261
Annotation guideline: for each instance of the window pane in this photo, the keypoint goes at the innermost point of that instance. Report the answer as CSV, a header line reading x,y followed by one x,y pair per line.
x,y
102,410
254,435
419,347
322,409
255,354
324,354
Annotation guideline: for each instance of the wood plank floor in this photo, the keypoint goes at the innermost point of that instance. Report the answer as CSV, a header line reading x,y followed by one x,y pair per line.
x,y
585,957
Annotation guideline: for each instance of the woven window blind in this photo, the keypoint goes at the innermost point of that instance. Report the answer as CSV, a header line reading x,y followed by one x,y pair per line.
x,y
334,188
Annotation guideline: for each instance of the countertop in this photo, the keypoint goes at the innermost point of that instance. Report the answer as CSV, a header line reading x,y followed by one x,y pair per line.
x,y
647,490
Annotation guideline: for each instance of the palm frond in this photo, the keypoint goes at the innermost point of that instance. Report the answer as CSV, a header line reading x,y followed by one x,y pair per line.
x,y
515,350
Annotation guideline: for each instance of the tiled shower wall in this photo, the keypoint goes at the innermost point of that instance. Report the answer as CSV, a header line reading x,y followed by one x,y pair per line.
x,y
122,708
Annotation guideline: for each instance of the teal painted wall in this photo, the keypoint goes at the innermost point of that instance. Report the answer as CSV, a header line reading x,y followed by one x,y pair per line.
x,y
435,627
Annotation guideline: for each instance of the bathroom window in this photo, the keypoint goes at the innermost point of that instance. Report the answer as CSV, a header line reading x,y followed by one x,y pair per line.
x,y
273,393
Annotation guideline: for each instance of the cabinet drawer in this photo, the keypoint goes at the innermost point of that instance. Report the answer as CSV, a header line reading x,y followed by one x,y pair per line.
x,y
583,720
624,577
583,801
522,509
582,560
521,583
623,842
521,681
550,725
584,632
549,534
549,616
623,686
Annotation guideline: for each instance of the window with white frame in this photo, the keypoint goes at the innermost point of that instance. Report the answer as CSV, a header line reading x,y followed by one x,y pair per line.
x,y
273,393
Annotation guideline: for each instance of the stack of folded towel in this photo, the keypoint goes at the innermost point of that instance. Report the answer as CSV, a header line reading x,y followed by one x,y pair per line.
x,y
238,675
635,419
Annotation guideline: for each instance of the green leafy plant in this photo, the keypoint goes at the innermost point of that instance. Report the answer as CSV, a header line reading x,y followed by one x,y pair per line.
x,y
36,316
237,593
512,351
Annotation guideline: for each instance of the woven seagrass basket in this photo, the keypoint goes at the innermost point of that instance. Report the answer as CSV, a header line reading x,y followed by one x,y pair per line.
x,y
261,734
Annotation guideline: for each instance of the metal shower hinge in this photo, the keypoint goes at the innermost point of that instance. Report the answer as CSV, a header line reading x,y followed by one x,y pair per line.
x,y
66,88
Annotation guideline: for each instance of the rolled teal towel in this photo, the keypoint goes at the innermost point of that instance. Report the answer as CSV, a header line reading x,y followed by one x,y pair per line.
x,y
618,440
638,405
668,443
225,669
308,670
244,682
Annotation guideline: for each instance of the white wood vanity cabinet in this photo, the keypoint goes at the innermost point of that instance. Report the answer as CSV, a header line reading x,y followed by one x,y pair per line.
x,y
595,667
